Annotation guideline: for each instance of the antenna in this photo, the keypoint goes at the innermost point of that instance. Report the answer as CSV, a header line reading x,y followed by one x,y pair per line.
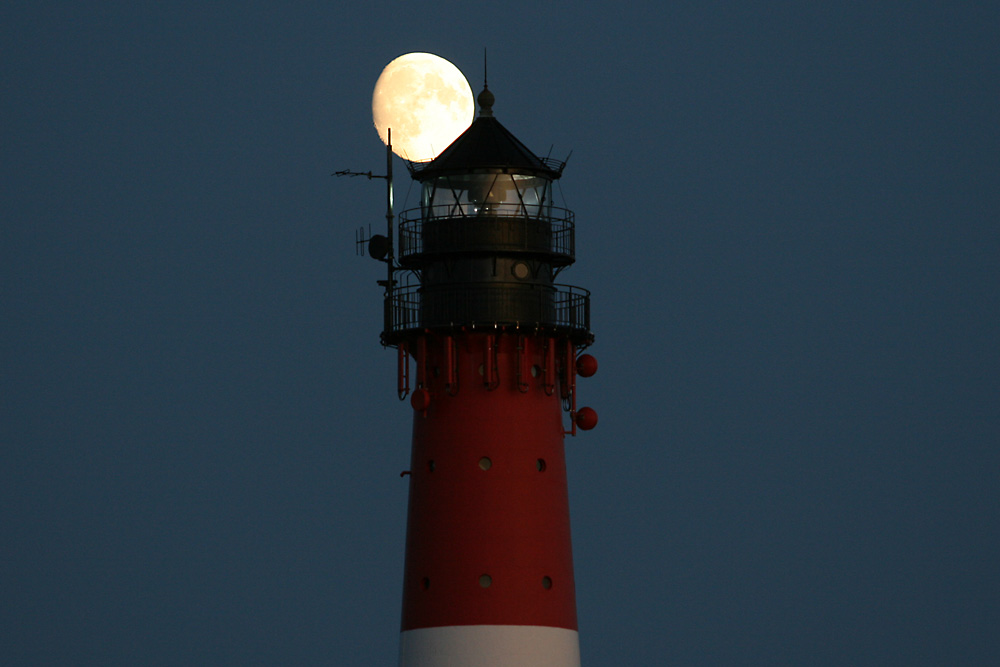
x,y
390,260
380,247
485,78
348,172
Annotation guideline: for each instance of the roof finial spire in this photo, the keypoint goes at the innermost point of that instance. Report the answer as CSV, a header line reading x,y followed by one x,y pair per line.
x,y
485,98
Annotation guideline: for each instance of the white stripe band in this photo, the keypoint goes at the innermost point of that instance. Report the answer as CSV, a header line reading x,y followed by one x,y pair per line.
x,y
489,646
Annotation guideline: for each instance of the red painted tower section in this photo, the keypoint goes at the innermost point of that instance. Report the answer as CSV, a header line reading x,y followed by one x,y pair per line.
x,y
488,538
493,344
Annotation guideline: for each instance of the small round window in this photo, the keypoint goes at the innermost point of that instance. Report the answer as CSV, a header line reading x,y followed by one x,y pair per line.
x,y
520,270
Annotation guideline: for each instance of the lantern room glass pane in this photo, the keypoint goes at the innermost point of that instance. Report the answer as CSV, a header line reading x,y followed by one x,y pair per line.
x,y
487,193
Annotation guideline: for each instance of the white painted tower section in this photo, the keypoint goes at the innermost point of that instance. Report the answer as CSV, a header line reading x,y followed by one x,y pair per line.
x,y
490,646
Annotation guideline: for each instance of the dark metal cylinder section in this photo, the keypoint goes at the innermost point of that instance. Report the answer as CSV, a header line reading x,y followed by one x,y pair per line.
x,y
486,303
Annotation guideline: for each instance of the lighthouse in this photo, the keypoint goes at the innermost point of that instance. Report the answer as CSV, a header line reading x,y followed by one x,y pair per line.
x,y
489,352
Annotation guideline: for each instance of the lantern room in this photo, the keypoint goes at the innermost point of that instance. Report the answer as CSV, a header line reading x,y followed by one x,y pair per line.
x,y
487,192
485,245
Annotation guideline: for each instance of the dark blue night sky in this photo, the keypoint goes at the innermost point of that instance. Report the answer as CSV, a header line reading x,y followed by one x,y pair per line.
x,y
787,214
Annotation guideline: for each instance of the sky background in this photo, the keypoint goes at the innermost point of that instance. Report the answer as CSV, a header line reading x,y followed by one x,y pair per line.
x,y
787,216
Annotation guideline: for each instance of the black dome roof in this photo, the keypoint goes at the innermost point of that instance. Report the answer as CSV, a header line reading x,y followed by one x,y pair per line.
x,y
487,145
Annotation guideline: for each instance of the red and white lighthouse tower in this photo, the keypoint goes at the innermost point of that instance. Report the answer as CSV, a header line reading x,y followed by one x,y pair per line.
x,y
488,347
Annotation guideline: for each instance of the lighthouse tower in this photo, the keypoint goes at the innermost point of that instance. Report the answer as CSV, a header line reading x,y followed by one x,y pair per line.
x,y
493,342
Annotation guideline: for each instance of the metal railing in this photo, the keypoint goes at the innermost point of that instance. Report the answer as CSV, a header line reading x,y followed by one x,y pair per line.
x,y
487,304
467,227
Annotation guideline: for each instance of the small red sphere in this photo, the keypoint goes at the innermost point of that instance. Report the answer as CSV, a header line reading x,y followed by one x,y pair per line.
x,y
586,418
420,399
586,365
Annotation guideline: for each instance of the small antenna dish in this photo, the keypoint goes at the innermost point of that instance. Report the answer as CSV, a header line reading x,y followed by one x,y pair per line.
x,y
378,247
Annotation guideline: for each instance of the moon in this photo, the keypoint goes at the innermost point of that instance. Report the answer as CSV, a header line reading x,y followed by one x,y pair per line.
x,y
427,103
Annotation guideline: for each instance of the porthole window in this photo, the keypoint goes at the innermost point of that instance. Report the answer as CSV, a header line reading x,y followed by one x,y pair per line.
x,y
546,583
540,465
520,270
485,580
485,463
536,370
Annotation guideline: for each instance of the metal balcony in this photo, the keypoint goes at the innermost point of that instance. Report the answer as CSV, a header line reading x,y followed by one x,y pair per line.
x,y
563,309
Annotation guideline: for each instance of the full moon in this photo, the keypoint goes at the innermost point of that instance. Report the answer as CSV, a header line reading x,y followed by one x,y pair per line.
x,y
427,103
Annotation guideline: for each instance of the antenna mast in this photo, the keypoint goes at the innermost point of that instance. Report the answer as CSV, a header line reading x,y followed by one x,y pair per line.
x,y
390,260
379,247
